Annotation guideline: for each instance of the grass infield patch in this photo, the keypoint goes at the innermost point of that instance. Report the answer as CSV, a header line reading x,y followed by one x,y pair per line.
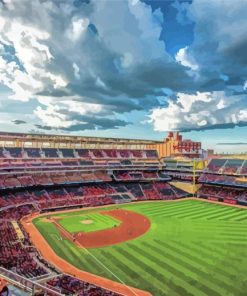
x,y
79,222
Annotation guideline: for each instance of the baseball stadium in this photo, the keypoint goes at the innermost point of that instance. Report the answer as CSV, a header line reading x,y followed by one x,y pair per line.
x,y
111,216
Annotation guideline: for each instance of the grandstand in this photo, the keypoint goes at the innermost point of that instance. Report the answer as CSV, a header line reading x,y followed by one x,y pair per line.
x,y
225,180
37,178
44,174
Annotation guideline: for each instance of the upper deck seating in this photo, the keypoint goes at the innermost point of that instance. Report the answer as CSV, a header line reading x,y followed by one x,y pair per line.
x,y
136,175
74,177
86,163
216,164
14,152
163,175
98,153
26,180
111,153
4,163
151,153
50,152
150,175
232,166
102,175
243,169
11,182
58,178
125,162
124,153
33,152
114,164
84,153
137,153
69,162
122,176
67,153
17,163
42,179
2,152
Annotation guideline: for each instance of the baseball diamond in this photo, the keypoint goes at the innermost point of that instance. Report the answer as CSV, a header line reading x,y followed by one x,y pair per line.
x,y
191,248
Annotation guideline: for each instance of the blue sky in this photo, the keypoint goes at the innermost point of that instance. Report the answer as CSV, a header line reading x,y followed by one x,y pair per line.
x,y
125,68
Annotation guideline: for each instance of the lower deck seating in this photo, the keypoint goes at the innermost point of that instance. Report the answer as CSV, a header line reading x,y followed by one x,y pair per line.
x,y
17,253
221,192
71,286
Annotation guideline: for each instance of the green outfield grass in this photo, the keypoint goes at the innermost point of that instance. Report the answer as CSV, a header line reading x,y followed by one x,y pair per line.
x,y
192,248
74,223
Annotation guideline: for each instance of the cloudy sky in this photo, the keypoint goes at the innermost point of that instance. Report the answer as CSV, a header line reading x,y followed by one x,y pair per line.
x,y
127,68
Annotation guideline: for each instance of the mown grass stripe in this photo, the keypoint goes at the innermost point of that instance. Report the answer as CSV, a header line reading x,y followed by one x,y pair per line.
x,y
242,217
165,207
214,213
159,277
202,256
206,280
170,205
176,213
175,283
133,275
182,276
221,212
209,253
199,214
200,263
230,216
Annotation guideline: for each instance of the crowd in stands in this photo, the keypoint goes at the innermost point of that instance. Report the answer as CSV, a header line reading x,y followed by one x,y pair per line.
x,y
17,254
47,179
223,193
88,195
62,163
140,175
68,285
227,166
180,176
15,152
145,191
223,179
178,165
51,178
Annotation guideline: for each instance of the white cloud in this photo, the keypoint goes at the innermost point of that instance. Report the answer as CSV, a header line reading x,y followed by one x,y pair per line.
x,y
82,108
51,117
56,53
197,111
119,63
184,59
77,28
76,71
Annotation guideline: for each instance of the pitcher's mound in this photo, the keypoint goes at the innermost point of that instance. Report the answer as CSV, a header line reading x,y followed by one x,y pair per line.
x,y
87,222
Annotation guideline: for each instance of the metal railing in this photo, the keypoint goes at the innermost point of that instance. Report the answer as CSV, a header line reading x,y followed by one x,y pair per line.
x,y
26,284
